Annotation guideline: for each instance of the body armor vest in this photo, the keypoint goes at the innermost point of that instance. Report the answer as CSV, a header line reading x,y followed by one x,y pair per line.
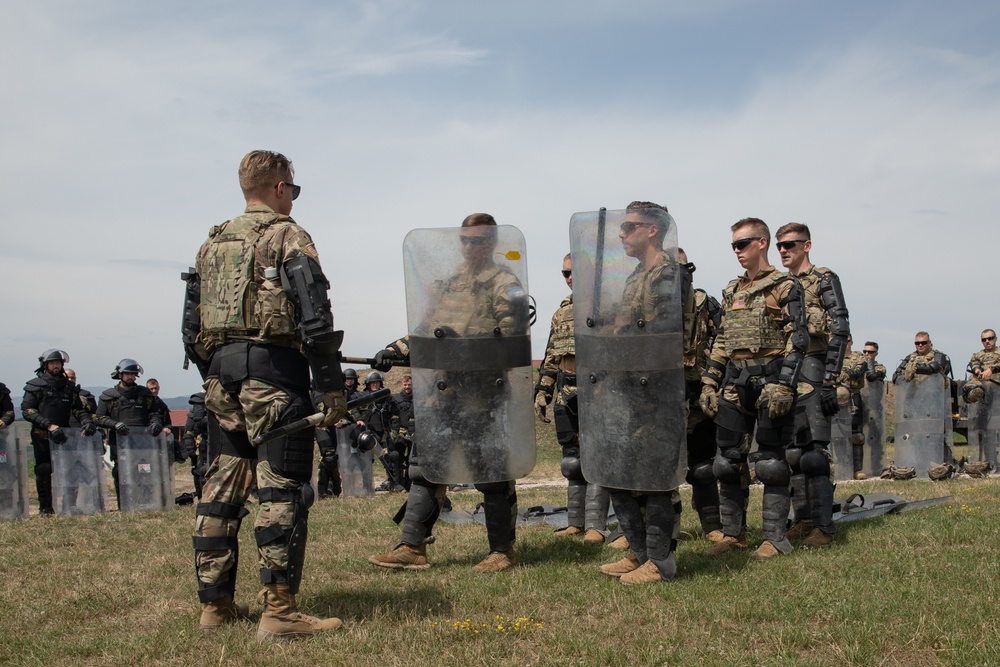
x,y
128,405
55,398
982,360
466,304
404,404
748,325
817,319
563,341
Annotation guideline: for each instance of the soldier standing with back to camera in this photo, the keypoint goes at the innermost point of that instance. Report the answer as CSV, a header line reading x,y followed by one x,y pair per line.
x,y
259,351
50,399
829,332
749,381
587,504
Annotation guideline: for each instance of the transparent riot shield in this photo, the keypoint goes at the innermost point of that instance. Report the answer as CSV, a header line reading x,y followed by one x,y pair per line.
x,y
355,467
144,472
629,352
873,407
13,476
922,415
984,425
470,353
78,475
840,444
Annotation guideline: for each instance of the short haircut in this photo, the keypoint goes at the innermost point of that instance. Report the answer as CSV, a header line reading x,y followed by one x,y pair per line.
x,y
990,331
152,381
872,343
922,333
756,225
647,210
793,228
479,220
569,255
263,169
408,377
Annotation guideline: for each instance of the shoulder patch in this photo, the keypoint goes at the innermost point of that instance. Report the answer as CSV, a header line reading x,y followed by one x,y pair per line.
x,y
311,251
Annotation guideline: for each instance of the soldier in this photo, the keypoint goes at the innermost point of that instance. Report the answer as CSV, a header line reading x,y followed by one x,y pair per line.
x,y
404,425
6,407
482,298
194,442
923,410
750,380
88,399
850,382
126,406
701,443
50,399
925,360
379,416
816,402
982,365
259,352
587,503
153,385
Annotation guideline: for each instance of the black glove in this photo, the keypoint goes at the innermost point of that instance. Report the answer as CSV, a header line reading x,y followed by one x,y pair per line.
x,y
384,358
154,429
330,457
89,428
57,436
187,447
121,428
828,400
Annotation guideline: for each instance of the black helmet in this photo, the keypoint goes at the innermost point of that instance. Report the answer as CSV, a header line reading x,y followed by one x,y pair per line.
x,y
126,366
350,373
367,441
52,354
374,376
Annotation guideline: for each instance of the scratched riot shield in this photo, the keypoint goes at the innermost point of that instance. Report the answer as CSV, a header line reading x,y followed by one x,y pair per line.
x,y
78,482
13,476
873,410
144,472
840,444
923,415
984,425
629,350
355,466
470,354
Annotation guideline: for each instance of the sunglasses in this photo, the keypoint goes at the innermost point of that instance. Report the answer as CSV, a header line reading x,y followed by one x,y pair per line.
x,y
871,351
629,227
741,244
474,240
567,274
988,339
296,189
918,343
788,245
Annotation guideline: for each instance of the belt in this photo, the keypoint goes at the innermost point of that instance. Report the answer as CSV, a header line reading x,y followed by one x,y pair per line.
x,y
749,363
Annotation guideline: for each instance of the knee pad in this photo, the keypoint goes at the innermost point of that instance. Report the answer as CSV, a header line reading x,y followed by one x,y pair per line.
x,y
972,392
566,426
43,469
728,438
815,463
726,470
773,471
794,457
701,473
570,466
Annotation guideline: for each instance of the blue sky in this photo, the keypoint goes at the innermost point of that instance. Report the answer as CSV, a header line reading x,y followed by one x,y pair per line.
x,y
874,123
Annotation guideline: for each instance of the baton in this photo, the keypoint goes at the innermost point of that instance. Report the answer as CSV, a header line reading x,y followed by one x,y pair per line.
x,y
315,419
371,362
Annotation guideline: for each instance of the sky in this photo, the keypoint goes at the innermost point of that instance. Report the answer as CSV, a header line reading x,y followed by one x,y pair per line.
x,y
124,123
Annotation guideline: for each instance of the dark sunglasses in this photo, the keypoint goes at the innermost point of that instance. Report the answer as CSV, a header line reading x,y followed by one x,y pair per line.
x,y
474,240
629,227
871,351
918,343
567,274
788,245
741,244
296,189
988,339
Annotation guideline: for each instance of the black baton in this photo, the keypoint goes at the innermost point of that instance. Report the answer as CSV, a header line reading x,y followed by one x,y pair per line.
x,y
313,420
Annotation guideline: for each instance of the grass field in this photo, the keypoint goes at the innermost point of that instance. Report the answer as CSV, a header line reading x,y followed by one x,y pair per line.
x,y
913,589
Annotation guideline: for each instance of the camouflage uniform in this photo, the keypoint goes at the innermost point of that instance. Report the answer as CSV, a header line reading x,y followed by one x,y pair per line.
x,y
258,379
915,364
856,371
763,340
979,362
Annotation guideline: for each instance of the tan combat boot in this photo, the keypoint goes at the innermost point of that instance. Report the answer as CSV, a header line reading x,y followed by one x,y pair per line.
x,y
768,550
715,536
621,543
647,573
727,544
799,530
282,620
403,557
593,537
497,561
619,568
569,531
216,613
858,475
817,539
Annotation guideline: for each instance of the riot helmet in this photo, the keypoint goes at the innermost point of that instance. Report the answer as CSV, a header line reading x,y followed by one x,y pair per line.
x,y
126,366
374,376
51,354
366,441
351,374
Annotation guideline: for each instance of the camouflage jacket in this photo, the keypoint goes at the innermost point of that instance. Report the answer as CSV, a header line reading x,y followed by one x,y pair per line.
x,y
923,364
560,350
826,317
707,317
982,360
852,375
648,294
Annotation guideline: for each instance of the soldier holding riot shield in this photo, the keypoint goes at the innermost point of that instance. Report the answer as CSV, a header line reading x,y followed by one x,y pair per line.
x,y
470,353
982,395
923,407
630,324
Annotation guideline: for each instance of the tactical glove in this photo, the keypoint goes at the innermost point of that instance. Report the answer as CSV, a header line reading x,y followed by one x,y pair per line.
x,y
89,428
333,406
57,436
154,429
828,400
779,399
121,428
709,400
541,403
384,358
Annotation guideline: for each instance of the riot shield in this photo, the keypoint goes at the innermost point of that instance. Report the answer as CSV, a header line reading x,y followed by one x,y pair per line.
x,y
144,472
13,476
984,425
922,415
470,353
873,407
355,467
78,475
840,444
629,354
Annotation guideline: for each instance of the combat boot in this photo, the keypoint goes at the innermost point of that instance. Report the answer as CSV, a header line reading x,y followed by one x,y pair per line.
x,y
497,561
769,549
619,568
858,475
403,557
799,530
569,531
817,539
647,573
727,544
282,620
593,537
620,543
715,536
216,613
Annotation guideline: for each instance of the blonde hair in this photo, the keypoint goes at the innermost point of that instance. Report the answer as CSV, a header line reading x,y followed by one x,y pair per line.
x,y
263,169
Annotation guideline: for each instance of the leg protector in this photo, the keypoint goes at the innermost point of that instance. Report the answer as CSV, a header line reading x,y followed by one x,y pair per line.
x,y
772,471
800,499
292,455
423,507
232,516
597,502
705,495
294,538
630,521
730,468
576,502
500,509
859,457
570,466
816,466
660,532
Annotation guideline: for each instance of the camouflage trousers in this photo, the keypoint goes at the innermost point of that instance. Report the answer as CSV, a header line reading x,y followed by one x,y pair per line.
x,y
230,479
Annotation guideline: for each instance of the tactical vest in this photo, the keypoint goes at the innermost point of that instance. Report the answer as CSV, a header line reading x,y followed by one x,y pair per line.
x,y
817,319
748,324
853,361
128,405
237,302
982,360
466,303
404,405
54,396
563,341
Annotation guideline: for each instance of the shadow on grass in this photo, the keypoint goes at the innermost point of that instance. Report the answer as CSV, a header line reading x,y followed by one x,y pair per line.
x,y
405,600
